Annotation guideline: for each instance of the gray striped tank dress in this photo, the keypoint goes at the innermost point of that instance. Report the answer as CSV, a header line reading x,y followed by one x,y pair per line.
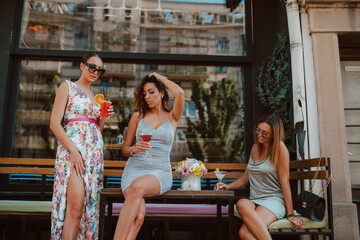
x,y
157,160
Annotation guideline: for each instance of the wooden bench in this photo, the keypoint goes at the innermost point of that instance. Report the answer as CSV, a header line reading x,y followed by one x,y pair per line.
x,y
206,196
113,170
300,172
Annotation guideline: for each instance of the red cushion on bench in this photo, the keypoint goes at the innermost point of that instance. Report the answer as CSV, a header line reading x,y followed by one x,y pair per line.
x,y
186,209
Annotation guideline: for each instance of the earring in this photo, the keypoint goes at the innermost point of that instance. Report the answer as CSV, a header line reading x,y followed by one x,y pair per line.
x,y
162,96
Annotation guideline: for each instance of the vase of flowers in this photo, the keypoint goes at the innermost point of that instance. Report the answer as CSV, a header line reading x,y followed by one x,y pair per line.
x,y
190,171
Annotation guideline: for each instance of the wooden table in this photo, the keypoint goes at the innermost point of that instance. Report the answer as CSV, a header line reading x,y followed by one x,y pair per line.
x,y
109,195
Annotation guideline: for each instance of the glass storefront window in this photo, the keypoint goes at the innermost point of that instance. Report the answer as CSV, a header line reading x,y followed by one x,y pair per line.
x,y
204,27
40,80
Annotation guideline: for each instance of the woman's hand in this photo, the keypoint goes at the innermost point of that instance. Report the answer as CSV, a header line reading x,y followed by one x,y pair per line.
x,y
77,162
157,76
221,186
297,221
110,113
141,146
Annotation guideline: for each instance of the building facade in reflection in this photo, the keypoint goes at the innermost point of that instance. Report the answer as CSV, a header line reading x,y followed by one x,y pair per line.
x,y
165,27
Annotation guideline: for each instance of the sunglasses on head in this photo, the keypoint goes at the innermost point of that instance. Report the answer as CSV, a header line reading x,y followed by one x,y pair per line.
x,y
92,69
263,133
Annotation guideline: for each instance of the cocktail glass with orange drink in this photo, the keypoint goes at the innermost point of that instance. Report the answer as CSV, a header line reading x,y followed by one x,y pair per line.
x,y
104,104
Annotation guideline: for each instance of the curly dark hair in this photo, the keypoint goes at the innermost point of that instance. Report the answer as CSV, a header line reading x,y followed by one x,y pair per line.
x,y
139,101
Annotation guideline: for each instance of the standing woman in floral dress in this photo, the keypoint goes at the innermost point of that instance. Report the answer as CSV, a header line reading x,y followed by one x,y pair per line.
x,y
78,176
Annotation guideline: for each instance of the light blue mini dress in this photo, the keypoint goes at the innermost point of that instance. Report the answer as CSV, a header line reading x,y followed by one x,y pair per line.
x,y
157,160
265,187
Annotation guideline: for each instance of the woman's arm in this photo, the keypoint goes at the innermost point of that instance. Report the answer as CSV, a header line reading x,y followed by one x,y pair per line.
x,y
178,92
128,148
57,115
238,183
283,170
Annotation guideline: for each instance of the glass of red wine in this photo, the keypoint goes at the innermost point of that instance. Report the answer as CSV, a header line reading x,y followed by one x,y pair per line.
x,y
146,136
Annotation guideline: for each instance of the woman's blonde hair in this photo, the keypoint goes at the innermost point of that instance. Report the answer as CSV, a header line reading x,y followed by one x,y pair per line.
x,y
277,136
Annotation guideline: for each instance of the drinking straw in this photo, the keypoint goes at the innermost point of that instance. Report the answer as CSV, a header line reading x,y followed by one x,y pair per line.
x,y
104,88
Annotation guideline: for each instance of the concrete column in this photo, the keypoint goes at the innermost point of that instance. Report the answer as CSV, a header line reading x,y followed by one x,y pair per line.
x,y
332,131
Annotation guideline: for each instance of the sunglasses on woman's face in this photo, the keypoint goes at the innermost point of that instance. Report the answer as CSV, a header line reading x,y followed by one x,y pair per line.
x,y
264,134
92,69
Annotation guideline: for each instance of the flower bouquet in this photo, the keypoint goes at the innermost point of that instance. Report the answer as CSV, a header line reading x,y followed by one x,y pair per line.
x,y
190,171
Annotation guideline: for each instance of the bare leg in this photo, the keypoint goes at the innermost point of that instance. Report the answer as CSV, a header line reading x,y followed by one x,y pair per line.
x,y
245,234
74,206
145,186
139,220
256,220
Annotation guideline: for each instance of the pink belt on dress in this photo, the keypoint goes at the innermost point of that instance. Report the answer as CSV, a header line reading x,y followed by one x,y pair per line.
x,y
83,119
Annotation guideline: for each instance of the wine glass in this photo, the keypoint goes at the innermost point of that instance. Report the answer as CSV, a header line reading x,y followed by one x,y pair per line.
x,y
146,135
220,175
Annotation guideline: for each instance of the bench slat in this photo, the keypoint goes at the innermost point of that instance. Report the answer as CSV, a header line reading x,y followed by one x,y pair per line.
x,y
229,175
109,163
308,175
27,161
26,170
221,166
226,166
314,162
113,172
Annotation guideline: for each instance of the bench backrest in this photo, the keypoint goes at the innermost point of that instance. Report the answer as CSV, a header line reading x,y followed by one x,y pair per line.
x,y
306,169
299,169
111,168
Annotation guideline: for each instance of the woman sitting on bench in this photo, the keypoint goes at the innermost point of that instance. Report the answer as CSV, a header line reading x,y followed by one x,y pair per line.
x,y
268,175
148,171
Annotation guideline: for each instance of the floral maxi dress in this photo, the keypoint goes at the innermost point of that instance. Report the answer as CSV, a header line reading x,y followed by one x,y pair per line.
x,y
88,139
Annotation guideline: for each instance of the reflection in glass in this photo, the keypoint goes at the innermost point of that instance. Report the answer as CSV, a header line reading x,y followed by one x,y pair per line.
x,y
176,27
40,80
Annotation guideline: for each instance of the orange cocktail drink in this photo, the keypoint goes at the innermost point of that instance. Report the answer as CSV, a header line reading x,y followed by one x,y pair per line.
x,y
104,106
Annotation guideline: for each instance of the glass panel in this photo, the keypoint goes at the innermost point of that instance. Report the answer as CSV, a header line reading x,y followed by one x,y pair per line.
x,y
171,26
193,138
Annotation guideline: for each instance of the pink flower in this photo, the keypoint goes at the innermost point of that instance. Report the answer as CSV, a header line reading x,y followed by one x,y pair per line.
x,y
185,171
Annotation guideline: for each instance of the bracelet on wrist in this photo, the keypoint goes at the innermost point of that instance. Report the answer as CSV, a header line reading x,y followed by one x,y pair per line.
x,y
131,152
163,78
290,215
